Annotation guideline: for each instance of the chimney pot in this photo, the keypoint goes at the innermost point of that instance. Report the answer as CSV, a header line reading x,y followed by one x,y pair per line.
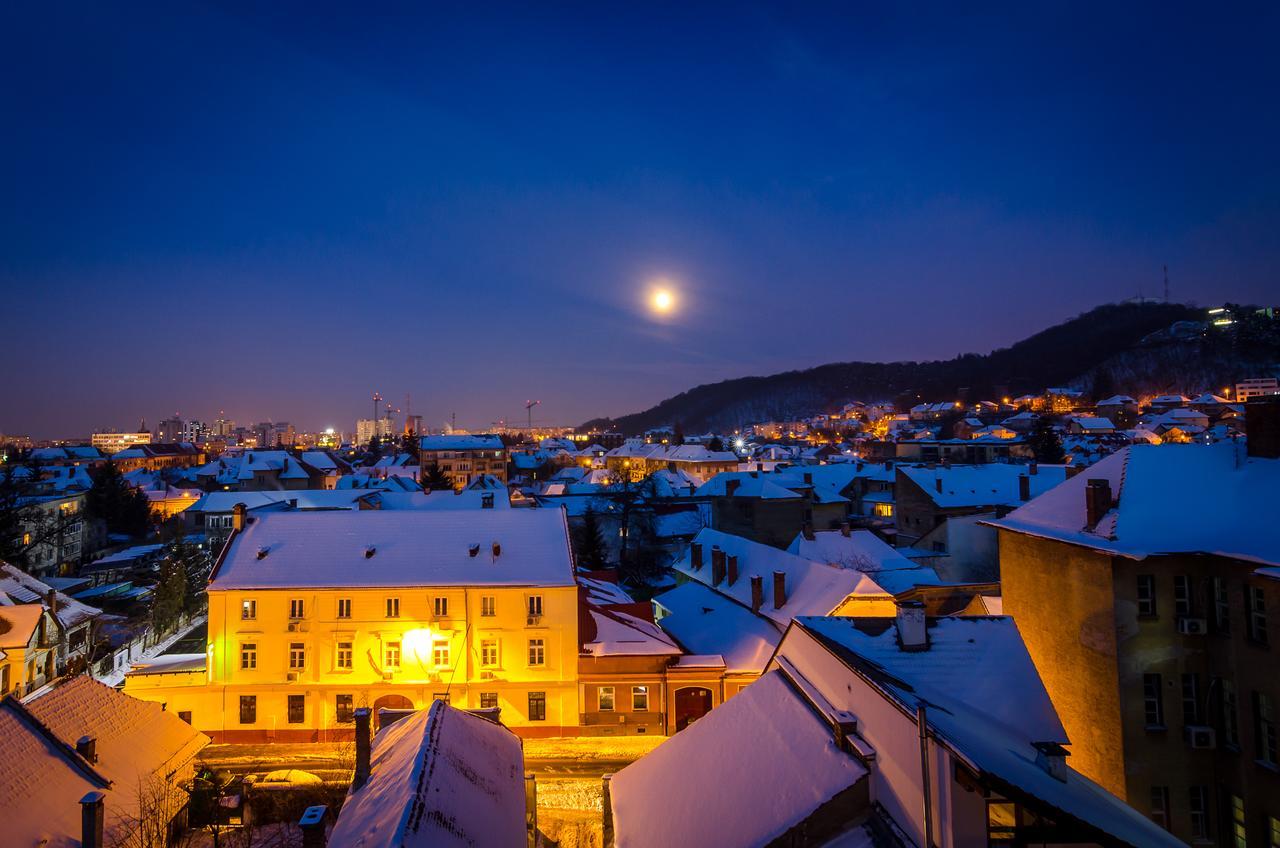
x,y
937,483
808,478
757,592
779,589
695,556
1024,487
497,550
732,568
717,566
844,529
87,747
91,820
1034,468
364,744
1052,757
912,631
1097,501
731,487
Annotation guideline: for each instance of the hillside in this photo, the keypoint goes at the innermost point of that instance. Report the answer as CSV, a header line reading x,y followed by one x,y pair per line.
x,y
1120,346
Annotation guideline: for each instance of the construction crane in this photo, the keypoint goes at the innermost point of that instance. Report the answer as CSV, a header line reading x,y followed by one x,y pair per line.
x,y
528,407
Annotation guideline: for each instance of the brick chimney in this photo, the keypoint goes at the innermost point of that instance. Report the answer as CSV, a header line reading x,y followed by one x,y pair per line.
x,y
717,566
1262,427
364,744
731,563
913,634
757,592
937,483
779,589
1033,469
91,820
237,517
51,601
695,556
1097,501
731,487
808,478
1024,487
87,747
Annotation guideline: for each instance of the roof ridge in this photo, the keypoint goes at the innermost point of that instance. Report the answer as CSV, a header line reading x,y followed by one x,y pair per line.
x,y
72,755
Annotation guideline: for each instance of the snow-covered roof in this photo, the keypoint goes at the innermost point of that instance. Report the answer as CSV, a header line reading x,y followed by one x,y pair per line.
x,y
992,484
1211,499
863,551
614,633
18,587
321,499
985,702
707,623
1165,400
1087,423
440,778
750,484
604,592
18,624
1208,399
1117,400
706,785
461,442
464,499
281,550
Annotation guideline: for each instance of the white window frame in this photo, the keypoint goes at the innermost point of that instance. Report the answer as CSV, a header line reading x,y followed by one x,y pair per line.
x,y
537,655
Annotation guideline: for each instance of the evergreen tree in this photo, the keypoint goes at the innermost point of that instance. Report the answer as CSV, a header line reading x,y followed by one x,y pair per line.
x,y
715,444
122,507
409,444
436,480
170,595
1045,443
588,542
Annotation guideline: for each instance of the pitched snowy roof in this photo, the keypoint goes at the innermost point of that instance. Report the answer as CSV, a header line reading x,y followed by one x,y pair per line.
x,y
1085,422
321,549
18,624
440,778
1211,499
992,484
750,484
863,551
25,589
465,499
1117,400
1208,399
321,499
619,633
461,443
707,623
704,785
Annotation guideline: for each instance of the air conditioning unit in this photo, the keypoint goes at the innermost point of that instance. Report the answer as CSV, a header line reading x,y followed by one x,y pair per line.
x,y
292,677
295,626
1192,626
1200,736
533,621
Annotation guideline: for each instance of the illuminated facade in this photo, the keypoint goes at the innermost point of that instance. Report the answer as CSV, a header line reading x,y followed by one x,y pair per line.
x,y
463,457
110,443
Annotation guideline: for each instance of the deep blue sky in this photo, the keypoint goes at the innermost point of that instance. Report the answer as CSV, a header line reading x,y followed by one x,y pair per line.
x,y
278,210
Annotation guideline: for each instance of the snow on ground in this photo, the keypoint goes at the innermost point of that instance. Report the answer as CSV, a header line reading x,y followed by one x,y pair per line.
x,y
591,747
115,678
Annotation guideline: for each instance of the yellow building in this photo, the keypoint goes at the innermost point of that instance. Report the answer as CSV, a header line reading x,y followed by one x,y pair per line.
x,y
464,457
313,614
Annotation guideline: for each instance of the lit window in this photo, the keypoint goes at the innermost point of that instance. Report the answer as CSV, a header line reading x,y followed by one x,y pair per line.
x,y
640,698
297,608
442,607
393,607
344,657
1239,831
248,610
440,653
488,605
489,652
297,656
344,607
1146,595
606,699
249,655
537,652
391,655
883,510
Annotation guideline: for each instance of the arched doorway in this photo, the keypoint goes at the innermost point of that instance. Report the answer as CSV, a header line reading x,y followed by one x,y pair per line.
x,y
390,702
692,704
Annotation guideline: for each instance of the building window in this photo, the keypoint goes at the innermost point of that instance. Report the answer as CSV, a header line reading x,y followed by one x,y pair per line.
x,y
1153,701
297,608
440,653
1230,714
883,510
1160,806
442,607
393,607
248,655
297,656
1256,604
537,652
1182,596
605,694
1199,806
345,656
1239,833
1191,699
297,709
1221,606
248,709
1146,595
488,606
391,655
344,607
1265,728
1273,832
248,610
489,652
488,700
640,698
535,605
537,706
1002,822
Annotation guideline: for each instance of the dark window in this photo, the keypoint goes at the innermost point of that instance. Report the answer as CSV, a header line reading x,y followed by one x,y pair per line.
x,y
1265,728
248,709
297,709
346,709
185,715
488,700
537,706
1191,699
1146,595
1160,806
1182,596
1256,604
1153,700
1230,713
1199,805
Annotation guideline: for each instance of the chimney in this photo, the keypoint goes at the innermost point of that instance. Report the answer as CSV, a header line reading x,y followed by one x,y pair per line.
x,y
844,529
912,632
1033,469
717,566
937,483
730,487
312,826
497,549
1052,757
779,589
757,592
888,465
759,466
91,820
1024,487
1262,427
87,747
695,556
237,517
732,563
807,530
51,601
363,745
1097,501
808,478
486,500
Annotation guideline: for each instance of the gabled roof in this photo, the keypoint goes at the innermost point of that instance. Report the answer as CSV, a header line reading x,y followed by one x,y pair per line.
x,y
18,624
993,484
863,551
485,441
440,778
707,623
614,633
750,484
22,588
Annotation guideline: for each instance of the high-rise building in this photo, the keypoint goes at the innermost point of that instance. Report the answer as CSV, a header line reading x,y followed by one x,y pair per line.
x,y
367,428
170,430
194,431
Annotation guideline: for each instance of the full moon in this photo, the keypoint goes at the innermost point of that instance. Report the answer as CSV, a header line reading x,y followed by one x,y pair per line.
x,y
662,301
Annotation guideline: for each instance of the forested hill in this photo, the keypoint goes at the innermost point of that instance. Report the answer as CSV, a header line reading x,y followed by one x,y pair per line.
x,y
1116,342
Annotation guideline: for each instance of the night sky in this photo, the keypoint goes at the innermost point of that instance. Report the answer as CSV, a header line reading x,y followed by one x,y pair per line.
x,y
278,211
